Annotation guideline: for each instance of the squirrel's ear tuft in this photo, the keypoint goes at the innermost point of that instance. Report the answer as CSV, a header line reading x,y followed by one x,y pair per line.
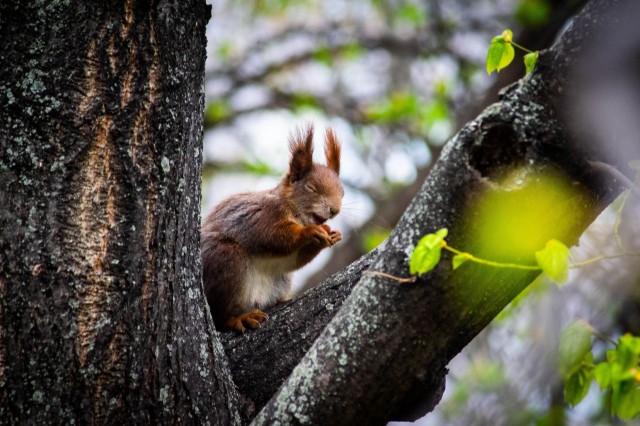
x,y
301,147
332,151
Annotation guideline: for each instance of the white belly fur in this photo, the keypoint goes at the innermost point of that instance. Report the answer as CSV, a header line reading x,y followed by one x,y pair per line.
x,y
268,280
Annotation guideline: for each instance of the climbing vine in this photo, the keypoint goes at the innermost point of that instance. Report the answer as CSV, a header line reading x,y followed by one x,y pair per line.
x,y
501,53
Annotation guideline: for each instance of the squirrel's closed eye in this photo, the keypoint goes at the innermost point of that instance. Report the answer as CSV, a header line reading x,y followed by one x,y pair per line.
x,y
310,188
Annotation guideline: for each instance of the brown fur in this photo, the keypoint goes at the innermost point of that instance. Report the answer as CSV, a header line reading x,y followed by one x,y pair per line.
x,y
251,242
332,151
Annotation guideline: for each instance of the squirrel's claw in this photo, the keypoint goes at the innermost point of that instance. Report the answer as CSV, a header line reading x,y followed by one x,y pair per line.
x,y
335,236
250,319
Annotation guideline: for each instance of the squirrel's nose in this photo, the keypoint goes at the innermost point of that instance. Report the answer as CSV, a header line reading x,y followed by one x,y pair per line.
x,y
333,211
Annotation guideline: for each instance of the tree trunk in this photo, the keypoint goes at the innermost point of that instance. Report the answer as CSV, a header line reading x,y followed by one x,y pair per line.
x,y
102,317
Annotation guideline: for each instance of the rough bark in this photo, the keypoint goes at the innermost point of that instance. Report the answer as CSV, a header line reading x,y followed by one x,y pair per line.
x,y
404,335
102,317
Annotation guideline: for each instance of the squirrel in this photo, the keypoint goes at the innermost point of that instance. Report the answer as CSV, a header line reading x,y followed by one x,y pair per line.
x,y
252,242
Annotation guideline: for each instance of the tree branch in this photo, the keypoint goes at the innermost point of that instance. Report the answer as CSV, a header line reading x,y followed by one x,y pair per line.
x,y
337,40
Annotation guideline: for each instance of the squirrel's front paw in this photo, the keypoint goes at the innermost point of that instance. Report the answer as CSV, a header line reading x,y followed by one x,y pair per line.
x,y
250,319
320,234
329,237
335,236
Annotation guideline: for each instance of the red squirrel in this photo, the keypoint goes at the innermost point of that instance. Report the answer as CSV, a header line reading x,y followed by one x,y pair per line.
x,y
252,242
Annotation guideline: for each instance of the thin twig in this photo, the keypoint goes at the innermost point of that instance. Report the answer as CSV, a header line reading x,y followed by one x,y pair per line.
x,y
495,264
521,47
411,279
603,337
603,257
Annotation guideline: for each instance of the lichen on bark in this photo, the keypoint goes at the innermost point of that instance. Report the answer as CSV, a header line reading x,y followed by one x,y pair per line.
x,y
102,318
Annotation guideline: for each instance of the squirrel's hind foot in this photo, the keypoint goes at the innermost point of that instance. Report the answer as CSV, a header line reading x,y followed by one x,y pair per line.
x,y
250,319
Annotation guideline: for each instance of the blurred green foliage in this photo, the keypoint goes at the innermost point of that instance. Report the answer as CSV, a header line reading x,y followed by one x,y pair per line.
x,y
412,14
304,101
408,108
373,238
216,111
618,374
274,7
260,168
533,13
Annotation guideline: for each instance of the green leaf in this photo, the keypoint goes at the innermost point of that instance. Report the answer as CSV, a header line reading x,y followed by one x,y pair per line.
x,y
625,355
554,260
577,385
632,342
602,374
458,260
427,253
530,60
626,404
618,374
499,55
575,345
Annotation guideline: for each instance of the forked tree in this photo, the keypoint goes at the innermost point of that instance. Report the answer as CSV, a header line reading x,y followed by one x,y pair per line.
x,y
102,313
